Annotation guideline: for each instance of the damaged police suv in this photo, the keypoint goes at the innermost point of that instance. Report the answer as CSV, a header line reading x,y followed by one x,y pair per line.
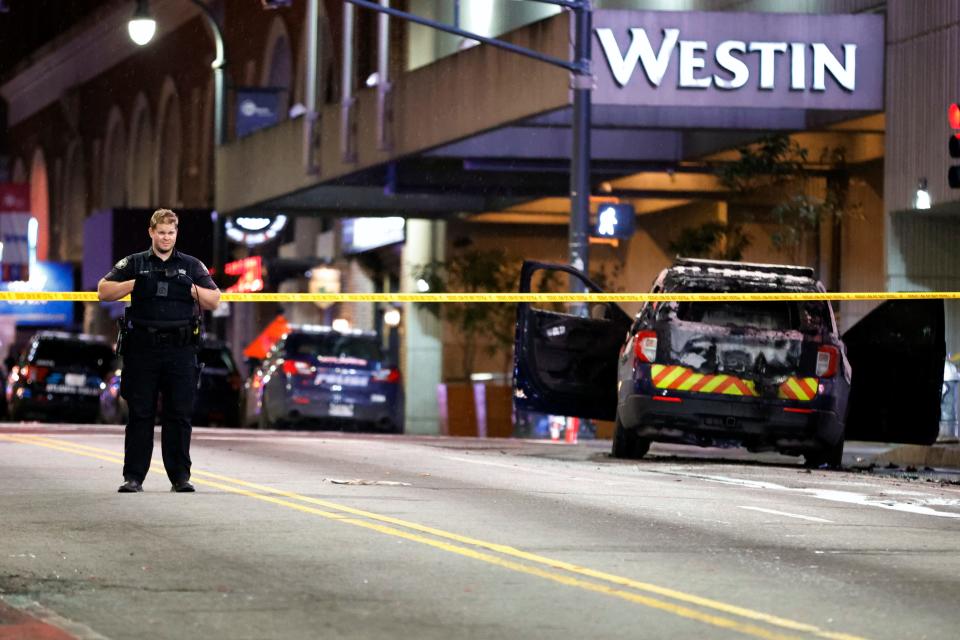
x,y
765,375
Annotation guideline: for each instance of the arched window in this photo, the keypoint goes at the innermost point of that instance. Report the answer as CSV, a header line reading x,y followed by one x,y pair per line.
x,y
278,63
75,204
169,147
19,171
140,165
114,187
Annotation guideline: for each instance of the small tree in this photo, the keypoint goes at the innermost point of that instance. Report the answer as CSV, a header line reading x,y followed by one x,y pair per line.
x,y
778,163
713,240
486,324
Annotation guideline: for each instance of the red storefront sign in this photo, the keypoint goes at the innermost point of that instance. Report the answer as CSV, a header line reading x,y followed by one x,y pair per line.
x,y
14,231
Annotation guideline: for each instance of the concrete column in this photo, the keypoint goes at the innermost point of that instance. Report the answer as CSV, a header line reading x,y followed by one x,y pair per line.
x,y
421,338
356,280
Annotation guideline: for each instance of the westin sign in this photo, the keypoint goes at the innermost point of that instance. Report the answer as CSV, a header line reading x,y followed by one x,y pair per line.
x,y
739,60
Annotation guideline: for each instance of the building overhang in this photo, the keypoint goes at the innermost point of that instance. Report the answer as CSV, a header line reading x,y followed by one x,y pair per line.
x,y
81,54
485,129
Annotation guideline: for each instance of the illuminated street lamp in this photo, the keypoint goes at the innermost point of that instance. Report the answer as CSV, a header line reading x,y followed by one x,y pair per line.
x,y
142,26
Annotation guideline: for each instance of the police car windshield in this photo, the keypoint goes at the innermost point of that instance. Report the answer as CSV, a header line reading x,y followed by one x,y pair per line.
x,y
335,345
73,352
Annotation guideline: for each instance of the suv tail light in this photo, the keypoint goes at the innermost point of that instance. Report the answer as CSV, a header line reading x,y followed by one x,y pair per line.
x,y
386,375
645,346
827,358
297,368
33,373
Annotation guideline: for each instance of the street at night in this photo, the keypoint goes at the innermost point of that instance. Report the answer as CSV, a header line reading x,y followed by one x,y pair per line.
x,y
479,319
309,535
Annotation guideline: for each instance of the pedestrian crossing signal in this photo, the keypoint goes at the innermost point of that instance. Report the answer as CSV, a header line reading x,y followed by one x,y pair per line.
x,y
614,221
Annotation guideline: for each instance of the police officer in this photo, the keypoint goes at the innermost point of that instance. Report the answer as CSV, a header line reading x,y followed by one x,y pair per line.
x,y
162,334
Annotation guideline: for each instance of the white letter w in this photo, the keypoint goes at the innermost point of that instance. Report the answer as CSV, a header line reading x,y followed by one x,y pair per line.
x,y
655,66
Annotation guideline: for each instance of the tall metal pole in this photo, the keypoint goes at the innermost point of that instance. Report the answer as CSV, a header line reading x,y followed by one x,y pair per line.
x,y
219,129
311,166
219,65
582,83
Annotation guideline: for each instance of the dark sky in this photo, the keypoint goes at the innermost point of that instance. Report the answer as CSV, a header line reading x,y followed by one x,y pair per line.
x,y
26,25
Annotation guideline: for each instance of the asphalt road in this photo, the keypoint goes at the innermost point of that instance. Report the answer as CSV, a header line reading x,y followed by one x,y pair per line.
x,y
320,535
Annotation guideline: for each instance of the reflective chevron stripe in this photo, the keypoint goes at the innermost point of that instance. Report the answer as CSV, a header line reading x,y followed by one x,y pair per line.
x,y
799,389
684,379
678,378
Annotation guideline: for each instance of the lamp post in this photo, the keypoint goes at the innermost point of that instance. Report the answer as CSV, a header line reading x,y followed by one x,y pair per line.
x,y
142,27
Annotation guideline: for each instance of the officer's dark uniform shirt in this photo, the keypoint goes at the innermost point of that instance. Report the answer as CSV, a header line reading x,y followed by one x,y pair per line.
x,y
174,301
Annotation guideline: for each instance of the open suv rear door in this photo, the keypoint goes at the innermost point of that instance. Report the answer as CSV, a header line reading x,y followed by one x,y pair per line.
x,y
566,364
897,353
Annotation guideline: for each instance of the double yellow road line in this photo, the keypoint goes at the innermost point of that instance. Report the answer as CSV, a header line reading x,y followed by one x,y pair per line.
x,y
685,605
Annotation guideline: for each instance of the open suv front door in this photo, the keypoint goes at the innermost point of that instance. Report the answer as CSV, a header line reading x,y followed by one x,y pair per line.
x,y
566,364
897,353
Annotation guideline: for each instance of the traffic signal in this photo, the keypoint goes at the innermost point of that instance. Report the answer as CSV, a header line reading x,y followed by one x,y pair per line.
x,y
953,116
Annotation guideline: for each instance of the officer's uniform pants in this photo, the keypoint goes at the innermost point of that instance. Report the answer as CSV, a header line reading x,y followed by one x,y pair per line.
x,y
171,373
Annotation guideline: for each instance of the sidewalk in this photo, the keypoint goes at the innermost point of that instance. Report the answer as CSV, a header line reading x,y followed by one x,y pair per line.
x,y
942,455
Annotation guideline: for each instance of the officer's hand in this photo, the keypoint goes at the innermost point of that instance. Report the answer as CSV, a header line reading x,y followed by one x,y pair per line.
x,y
144,286
177,289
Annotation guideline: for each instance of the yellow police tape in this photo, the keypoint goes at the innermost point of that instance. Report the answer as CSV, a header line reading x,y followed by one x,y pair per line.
x,y
89,296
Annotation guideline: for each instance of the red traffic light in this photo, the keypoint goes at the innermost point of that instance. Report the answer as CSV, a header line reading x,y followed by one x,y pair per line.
x,y
953,115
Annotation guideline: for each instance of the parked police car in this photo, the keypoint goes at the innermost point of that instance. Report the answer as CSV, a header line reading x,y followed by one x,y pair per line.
x,y
59,376
320,377
763,375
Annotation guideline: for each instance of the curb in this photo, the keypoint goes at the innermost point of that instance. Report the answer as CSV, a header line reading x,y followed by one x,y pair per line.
x,y
937,456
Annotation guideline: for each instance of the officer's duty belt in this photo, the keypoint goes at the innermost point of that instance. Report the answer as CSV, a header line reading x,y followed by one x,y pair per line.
x,y
176,336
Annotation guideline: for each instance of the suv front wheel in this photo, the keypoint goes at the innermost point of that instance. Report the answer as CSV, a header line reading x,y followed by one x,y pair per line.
x,y
627,444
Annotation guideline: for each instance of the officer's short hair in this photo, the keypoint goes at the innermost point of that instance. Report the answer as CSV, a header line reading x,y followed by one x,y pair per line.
x,y
163,216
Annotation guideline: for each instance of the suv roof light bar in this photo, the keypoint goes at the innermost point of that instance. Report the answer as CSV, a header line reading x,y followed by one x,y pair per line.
x,y
779,269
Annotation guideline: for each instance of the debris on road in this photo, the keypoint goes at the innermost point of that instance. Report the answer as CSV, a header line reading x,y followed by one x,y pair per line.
x,y
387,483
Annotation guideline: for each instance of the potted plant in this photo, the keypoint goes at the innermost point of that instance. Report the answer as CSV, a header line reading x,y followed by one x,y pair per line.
x,y
468,407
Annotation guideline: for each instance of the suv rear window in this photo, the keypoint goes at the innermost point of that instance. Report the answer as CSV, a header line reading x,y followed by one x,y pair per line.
x,y
333,344
766,316
73,352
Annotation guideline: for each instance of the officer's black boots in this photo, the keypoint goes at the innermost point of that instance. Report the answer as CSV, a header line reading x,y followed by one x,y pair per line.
x,y
130,486
183,486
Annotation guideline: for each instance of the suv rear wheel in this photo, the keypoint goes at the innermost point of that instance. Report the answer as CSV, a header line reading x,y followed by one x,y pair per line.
x,y
627,444
831,456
